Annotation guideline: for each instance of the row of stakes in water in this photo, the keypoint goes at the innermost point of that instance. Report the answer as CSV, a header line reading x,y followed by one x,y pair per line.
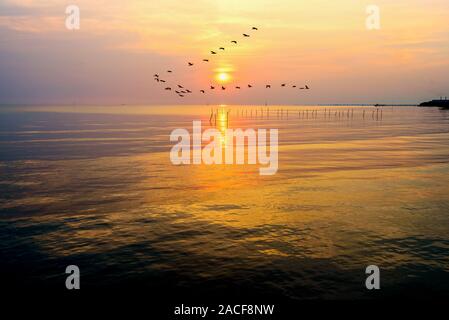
x,y
268,113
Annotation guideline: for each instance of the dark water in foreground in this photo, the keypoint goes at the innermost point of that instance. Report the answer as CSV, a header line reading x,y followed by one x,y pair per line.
x,y
95,187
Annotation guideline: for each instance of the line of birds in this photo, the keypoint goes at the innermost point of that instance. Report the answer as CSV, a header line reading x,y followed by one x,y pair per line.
x,y
184,91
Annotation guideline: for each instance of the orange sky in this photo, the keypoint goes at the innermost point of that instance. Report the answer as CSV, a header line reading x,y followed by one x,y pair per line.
x,y
325,44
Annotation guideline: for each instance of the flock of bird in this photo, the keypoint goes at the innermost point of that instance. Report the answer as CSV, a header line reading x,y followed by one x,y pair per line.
x,y
181,91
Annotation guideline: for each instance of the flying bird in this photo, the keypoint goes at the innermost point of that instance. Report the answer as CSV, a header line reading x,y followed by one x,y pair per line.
x,y
268,86
177,92
221,48
157,79
168,88
233,41
237,87
223,88
162,80
188,91
181,96
254,28
246,35
307,87
213,52
212,88
156,76
293,86
180,87
190,64
169,71
202,91
206,60
283,85
250,86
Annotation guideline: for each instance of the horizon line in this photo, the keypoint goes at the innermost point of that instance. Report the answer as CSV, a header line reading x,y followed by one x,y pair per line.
x,y
203,104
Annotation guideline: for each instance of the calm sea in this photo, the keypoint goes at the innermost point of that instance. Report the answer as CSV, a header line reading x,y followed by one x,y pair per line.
x,y
94,187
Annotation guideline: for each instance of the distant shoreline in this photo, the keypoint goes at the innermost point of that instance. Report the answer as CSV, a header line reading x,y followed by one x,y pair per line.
x,y
441,103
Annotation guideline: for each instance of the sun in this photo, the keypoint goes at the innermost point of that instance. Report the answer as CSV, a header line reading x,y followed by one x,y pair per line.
x,y
223,77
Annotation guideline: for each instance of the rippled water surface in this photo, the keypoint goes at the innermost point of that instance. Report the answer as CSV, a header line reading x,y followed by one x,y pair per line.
x,y
94,186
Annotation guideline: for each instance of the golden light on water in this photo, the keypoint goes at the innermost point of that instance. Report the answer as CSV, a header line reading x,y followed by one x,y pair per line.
x,y
222,125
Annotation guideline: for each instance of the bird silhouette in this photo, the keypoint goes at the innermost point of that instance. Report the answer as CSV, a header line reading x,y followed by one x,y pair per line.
x,y
156,76
168,88
250,86
307,87
162,80
233,41
283,85
169,71
246,35
237,87
181,96
293,86
177,92
188,91
268,86
183,91
213,52
180,87
221,48
157,79
202,91
212,88
190,64
223,88
254,28
206,60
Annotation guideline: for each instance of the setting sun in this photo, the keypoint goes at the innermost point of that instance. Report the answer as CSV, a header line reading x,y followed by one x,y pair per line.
x,y
223,77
